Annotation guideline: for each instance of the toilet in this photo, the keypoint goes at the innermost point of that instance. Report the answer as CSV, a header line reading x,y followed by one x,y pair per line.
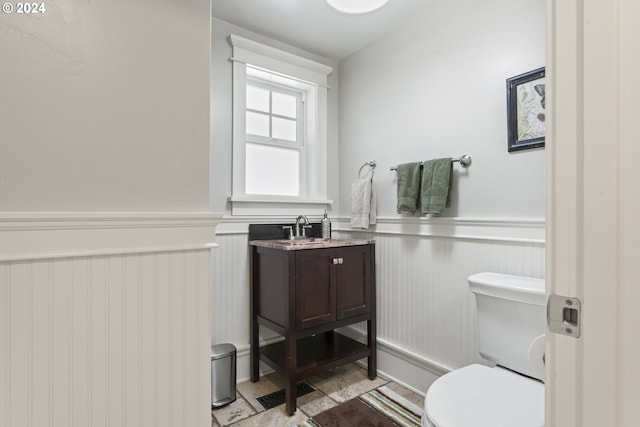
x,y
510,393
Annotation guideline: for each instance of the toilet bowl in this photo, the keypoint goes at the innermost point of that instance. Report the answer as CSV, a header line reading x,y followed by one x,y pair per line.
x,y
479,396
511,326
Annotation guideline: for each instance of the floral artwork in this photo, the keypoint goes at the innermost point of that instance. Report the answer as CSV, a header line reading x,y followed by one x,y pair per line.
x,y
526,110
531,114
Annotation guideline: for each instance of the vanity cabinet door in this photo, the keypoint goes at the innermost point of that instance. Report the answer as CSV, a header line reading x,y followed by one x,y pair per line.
x,y
353,281
315,287
332,284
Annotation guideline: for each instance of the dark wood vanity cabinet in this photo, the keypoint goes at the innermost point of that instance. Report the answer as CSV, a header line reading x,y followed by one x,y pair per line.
x,y
332,284
304,294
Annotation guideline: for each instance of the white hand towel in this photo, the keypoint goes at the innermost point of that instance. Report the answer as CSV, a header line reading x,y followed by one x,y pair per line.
x,y
363,201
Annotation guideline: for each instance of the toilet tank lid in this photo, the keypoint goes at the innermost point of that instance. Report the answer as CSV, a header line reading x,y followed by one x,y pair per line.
x,y
528,290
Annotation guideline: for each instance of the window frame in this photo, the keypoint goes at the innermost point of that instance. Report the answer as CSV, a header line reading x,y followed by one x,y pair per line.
x,y
298,145
310,78
300,114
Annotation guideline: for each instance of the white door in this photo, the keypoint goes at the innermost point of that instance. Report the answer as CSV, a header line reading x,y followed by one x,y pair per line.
x,y
593,209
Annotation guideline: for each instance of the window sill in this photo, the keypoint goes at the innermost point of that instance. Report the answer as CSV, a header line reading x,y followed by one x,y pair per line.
x,y
265,206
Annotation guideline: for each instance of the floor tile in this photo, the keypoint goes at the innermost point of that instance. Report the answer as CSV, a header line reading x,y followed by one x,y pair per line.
x,y
276,417
267,384
345,382
233,412
332,388
316,402
411,396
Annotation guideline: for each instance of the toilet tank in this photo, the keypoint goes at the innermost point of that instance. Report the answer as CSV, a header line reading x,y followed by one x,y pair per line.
x,y
511,315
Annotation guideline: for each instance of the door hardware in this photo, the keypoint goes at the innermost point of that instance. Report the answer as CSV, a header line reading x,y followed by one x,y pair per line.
x,y
563,315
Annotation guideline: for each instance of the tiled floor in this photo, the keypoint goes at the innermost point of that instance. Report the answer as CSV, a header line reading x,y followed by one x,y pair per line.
x,y
332,388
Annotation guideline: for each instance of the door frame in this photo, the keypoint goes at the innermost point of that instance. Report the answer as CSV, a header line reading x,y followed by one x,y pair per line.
x,y
592,209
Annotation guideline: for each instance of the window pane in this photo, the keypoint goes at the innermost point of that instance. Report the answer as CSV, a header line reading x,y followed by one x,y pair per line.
x,y
272,170
257,124
284,105
257,98
284,129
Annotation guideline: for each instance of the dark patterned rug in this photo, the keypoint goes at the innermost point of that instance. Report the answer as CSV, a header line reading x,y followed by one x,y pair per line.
x,y
381,407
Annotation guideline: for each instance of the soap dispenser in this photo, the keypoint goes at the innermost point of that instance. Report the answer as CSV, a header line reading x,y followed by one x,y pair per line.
x,y
326,226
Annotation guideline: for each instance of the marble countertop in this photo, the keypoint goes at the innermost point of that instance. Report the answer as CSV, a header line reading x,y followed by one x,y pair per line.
x,y
310,243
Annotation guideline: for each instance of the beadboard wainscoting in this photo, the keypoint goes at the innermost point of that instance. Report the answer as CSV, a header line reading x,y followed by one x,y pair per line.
x,y
104,319
426,313
230,315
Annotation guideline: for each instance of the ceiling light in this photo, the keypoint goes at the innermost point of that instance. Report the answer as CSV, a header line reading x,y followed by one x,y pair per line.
x,y
356,6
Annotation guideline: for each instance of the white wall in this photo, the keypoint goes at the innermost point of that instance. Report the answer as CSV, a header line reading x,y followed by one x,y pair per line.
x,y
401,99
105,107
436,88
221,117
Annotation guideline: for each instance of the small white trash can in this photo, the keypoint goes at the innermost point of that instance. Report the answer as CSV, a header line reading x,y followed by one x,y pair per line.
x,y
223,374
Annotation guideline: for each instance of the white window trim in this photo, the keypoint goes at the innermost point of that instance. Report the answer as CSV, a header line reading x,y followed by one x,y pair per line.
x,y
300,124
311,74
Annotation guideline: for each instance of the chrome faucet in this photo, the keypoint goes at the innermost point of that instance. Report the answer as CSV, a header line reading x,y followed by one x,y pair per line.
x,y
304,227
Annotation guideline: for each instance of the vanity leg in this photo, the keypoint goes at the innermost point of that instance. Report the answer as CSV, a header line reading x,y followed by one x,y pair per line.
x,y
372,364
291,396
254,358
291,357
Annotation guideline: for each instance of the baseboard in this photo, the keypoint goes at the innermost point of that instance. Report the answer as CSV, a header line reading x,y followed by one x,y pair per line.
x,y
401,366
243,360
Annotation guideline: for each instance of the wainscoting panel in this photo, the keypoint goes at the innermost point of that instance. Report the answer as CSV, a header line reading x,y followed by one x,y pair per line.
x,y
230,316
424,303
107,340
426,313
230,305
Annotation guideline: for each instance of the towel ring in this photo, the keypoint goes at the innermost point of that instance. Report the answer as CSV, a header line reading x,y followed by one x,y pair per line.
x,y
371,164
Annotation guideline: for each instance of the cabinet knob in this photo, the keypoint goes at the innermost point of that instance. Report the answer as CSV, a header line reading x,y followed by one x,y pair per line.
x,y
338,261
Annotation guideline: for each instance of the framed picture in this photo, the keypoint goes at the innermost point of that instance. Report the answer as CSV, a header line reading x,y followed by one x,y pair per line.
x,y
526,110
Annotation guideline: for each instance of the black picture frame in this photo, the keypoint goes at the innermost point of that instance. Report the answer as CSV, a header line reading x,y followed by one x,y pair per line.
x,y
526,110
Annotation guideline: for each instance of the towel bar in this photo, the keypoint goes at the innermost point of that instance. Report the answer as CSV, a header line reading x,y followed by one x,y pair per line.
x,y
464,160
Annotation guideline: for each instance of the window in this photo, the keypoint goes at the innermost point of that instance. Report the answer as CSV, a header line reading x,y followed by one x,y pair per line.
x,y
275,148
279,131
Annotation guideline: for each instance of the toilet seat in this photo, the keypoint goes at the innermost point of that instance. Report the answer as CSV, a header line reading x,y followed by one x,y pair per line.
x,y
479,396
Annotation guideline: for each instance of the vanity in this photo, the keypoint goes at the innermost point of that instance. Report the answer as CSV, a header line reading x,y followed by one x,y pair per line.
x,y
303,290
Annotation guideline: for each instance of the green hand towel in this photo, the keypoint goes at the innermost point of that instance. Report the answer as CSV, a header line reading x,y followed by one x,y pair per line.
x,y
436,185
408,187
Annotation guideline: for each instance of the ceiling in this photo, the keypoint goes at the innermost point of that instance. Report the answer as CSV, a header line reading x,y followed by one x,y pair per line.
x,y
313,25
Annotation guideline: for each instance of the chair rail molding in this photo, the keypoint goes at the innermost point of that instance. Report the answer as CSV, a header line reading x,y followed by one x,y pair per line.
x,y
517,230
38,235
